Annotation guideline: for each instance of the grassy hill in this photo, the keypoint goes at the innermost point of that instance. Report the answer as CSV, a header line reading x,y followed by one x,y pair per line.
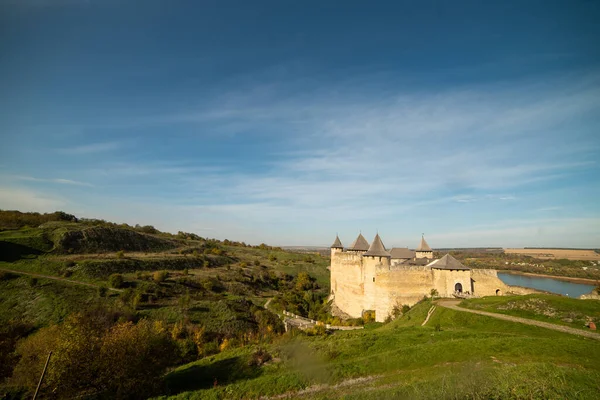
x,y
456,355
205,298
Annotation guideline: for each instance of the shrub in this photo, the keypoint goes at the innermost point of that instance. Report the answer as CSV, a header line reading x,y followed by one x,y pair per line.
x,y
160,276
257,263
120,254
102,291
119,360
243,264
186,272
32,281
272,257
6,276
206,264
259,357
67,273
369,316
116,281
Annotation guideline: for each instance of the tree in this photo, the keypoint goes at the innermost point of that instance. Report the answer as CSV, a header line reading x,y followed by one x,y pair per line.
x,y
94,356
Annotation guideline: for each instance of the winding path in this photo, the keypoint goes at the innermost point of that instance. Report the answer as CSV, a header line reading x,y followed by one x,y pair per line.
x,y
453,305
56,278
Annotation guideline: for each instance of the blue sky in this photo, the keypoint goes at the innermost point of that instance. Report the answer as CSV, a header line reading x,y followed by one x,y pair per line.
x,y
476,122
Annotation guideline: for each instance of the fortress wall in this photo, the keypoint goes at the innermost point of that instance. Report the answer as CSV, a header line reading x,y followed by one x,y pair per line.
x,y
347,282
445,280
373,267
406,286
486,282
424,254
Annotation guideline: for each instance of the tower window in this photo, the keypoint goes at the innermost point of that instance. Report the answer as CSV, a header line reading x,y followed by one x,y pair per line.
x,y
373,279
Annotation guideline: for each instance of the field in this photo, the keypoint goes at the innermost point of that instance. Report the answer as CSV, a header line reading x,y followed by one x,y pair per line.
x,y
456,355
550,254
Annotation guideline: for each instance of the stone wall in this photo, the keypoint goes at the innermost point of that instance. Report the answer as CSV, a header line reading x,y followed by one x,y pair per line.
x,y
399,286
486,283
444,281
347,282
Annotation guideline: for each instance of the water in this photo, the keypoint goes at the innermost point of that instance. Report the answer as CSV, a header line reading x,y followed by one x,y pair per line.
x,y
570,289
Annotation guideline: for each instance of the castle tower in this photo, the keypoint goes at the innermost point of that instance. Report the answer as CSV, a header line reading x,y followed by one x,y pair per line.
x,y
360,244
423,251
374,260
377,250
336,247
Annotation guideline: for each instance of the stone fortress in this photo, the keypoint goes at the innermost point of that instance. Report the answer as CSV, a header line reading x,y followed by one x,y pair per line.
x,y
369,278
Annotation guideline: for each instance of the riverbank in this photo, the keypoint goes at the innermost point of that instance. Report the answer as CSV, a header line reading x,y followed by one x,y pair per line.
x,y
558,277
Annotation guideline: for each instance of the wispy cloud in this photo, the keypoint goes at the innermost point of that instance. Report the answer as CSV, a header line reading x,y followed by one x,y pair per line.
x,y
545,209
60,181
91,148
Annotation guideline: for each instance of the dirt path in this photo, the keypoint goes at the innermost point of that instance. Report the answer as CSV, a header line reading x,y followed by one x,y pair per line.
x,y
56,278
453,304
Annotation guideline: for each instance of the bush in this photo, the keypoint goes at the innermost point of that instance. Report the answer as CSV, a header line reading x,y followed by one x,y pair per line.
x,y
160,276
116,281
6,276
257,263
116,360
369,316
32,281
259,357
272,257
243,265
120,254
102,291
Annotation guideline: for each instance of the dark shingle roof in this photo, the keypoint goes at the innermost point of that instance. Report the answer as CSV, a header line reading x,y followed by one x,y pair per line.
x,y
401,252
423,246
337,244
360,244
377,248
447,262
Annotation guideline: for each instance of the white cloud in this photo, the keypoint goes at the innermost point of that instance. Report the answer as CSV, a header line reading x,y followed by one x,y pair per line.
x,y
14,198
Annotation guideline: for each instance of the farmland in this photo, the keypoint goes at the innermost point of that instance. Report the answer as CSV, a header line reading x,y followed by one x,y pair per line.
x,y
551,254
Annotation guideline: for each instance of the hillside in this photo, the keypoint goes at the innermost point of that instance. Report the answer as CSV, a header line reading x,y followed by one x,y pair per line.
x,y
183,317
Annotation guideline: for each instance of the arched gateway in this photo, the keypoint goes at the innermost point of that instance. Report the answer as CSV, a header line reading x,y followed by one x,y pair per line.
x,y
458,288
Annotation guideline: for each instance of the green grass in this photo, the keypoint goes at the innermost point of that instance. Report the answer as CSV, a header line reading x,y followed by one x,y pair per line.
x,y
549,308
47,302
404,360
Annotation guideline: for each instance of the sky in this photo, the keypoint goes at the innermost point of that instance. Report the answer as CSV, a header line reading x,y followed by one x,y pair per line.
x,y
288,122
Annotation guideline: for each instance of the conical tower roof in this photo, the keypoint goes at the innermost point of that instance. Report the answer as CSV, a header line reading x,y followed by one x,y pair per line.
x,y
423,246
360,244
337,244
447,262
377,248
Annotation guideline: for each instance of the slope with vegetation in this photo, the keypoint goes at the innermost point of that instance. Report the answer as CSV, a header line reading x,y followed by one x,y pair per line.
x,y
186,320
194,295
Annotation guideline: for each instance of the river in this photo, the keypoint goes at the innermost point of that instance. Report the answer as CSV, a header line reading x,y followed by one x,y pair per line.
x,y
566,288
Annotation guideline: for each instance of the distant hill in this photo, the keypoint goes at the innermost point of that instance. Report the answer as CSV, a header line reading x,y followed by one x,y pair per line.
x,y
61,233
